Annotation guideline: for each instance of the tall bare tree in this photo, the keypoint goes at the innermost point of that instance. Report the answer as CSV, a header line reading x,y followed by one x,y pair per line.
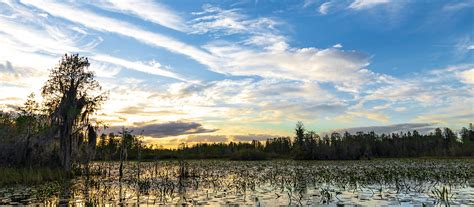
x,y
71,95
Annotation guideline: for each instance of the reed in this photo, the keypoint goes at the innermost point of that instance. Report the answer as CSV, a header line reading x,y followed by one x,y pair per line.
x,y
30,176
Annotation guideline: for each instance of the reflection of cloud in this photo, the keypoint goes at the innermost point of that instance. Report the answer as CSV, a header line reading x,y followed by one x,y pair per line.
x,y
422,128
158,130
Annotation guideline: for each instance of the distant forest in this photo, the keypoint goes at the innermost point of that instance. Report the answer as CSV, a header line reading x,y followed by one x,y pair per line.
x,y
59,132
307,145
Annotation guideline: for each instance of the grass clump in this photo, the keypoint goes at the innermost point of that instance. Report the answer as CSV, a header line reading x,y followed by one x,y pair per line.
x,y
30,176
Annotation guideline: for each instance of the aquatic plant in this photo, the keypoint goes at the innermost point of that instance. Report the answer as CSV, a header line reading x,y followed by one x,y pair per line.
x,y
283,181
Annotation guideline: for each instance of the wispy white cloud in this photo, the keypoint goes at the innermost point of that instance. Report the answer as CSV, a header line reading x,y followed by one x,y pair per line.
x,y
457,112
225,22
323,65
366,4
324,8
32,42
20,76
30,35
426,95
308,3
148,10
458,5
267,100
464,46
263,50
352,114
338,45
462,73
467,76
102,23
156,69
17,83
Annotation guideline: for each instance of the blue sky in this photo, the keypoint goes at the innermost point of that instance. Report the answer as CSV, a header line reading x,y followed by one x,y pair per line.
x,y
229,70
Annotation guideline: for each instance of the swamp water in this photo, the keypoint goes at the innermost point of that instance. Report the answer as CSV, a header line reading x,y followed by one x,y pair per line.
x,y
259,183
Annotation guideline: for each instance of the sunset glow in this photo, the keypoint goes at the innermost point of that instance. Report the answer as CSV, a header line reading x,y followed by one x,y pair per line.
x,y
221,71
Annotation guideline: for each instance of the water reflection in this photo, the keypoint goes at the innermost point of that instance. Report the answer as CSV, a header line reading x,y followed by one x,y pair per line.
x,y
266,183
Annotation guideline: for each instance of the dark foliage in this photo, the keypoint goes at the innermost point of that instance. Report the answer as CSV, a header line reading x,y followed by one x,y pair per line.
x,y
57,131
307,145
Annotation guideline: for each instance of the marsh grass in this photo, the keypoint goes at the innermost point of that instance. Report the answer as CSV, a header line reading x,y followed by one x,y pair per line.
x,y
30,176
443,195
200,182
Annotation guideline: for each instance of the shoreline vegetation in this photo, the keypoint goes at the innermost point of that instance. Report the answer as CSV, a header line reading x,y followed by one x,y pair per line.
x,y
30,175
204,182
309,146
50,140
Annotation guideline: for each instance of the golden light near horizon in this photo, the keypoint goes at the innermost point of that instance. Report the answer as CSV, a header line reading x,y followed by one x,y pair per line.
x,y
232,72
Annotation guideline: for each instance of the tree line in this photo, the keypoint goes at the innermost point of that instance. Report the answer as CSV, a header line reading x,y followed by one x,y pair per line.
x,y
59,132
307,145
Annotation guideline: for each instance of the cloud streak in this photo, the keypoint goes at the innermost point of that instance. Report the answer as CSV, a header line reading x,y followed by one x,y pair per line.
x,y
168,129
42,40
366,4
102,23
147,10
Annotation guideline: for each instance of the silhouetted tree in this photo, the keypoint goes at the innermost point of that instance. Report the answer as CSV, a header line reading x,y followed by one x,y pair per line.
x,y
336,146
69,99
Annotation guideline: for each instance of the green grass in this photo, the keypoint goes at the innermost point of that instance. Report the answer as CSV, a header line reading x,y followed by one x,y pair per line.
x,y
29,176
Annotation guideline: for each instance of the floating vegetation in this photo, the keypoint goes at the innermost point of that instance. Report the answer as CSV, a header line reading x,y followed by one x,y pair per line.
x,y
264,183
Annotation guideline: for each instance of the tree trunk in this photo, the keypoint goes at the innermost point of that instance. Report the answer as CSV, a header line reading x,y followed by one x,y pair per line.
x,y
66,145
92,142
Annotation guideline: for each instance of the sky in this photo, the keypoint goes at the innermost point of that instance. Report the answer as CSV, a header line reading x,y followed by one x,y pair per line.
x,y
217,71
